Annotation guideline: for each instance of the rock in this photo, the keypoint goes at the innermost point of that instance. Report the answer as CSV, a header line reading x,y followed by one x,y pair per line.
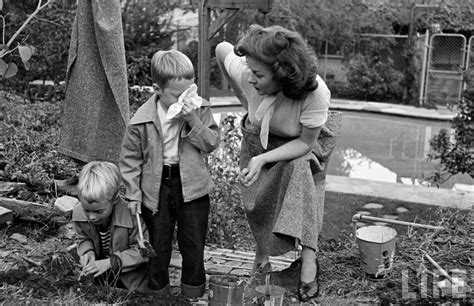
x,y
6,215
66,203
372,206
19,237
402,210
390,217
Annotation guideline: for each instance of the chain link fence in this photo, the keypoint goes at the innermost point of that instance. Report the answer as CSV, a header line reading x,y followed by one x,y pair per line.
x,y
445,69
439,65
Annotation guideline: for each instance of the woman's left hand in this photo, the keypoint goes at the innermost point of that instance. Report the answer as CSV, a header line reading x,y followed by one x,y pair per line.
x,y
249,175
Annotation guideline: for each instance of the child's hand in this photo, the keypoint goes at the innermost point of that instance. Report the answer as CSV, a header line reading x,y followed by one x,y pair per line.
x,y
187,101
135,207
97,267
87,258
188,112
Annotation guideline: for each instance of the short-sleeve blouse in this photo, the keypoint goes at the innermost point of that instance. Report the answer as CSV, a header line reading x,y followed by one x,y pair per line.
x,y
288,115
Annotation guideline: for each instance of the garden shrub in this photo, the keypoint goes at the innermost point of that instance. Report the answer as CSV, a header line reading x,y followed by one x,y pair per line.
x,y
371,79
146,29
455,151
227,222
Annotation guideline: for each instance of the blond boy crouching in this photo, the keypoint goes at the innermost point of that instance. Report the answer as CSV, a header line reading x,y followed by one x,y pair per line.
x,y
107,233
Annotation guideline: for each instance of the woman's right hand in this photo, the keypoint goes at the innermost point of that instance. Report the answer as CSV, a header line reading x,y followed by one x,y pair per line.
x,y
249,175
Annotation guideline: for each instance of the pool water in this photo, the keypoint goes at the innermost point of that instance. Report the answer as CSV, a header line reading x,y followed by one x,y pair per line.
x,y
387,148
382,147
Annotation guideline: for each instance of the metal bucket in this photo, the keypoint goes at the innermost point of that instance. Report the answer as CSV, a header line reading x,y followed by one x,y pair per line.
x,y
225,290
274,295
377,248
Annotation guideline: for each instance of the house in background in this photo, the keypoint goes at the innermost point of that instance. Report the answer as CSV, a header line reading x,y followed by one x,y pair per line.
x,y
185,25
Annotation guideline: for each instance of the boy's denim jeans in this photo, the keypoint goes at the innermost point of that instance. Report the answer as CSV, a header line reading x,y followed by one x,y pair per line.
x,y
191,218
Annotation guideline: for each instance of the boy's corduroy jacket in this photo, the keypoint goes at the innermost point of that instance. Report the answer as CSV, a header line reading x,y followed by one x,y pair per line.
x,y
124,243
141,157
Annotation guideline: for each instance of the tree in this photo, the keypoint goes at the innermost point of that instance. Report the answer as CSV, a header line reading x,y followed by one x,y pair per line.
x,y
146,29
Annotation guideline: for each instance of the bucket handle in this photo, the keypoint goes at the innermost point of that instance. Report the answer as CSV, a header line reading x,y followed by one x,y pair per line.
x,y
358,217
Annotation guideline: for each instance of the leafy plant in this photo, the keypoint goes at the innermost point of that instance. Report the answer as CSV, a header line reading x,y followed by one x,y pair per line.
x,y
29,138
227,222
455,151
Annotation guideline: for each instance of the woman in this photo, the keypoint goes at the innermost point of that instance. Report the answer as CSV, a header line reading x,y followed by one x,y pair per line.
x,y
273,73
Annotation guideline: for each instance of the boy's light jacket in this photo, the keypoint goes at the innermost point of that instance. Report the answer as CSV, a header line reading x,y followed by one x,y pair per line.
x,y
141,158
124,243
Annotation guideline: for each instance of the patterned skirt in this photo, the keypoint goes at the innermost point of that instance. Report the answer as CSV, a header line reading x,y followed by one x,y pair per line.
x,y
285,206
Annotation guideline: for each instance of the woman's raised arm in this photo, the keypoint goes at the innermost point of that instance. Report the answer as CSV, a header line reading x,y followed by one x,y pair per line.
x,y
222,50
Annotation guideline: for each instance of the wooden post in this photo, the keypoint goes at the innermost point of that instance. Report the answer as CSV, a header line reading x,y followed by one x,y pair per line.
x,y
204,50
207,30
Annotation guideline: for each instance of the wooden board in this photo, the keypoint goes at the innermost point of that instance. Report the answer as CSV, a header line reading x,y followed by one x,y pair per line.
x,y
30,211
244,4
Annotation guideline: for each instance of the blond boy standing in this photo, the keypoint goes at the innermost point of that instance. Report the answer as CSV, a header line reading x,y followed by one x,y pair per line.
x,y
165,176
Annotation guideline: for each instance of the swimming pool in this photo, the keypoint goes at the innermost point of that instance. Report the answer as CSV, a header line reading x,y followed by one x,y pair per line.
x,y
381,147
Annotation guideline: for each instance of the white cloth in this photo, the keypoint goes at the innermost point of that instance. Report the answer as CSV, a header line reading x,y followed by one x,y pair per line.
x,y
188,96
170,130
263,114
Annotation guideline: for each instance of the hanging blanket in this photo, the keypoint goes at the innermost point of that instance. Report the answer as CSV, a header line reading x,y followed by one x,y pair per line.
x,y
287,200
96,108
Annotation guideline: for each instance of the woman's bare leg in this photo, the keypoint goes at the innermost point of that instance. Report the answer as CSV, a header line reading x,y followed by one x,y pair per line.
x,y
308,267
261,258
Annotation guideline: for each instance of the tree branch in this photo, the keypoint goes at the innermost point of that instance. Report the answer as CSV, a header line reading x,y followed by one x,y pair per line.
x,y
12,39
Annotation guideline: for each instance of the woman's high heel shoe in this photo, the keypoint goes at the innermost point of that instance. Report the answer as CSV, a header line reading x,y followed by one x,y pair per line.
x,y
308,291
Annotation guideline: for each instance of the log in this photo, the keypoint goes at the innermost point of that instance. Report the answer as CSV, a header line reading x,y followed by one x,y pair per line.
x,y
30,211
10,187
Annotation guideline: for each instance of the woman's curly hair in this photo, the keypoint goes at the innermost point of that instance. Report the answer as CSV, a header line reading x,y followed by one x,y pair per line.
x,y
292,61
